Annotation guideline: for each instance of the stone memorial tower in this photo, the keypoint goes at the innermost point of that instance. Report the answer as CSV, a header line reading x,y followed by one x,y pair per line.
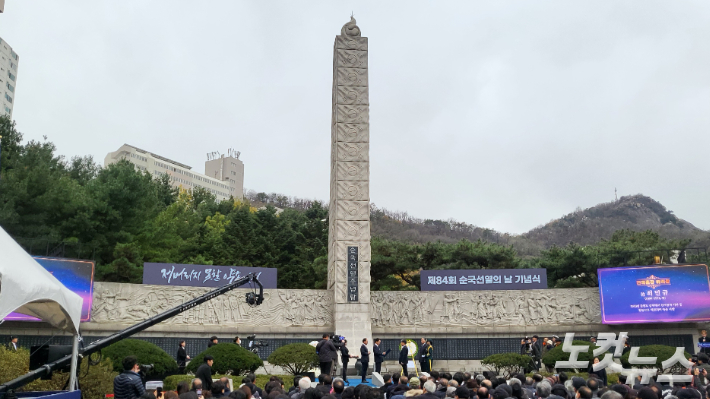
x,y
349,229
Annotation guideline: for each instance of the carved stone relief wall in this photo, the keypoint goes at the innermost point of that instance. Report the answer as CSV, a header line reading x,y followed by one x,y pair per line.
x,y
131,303
485,308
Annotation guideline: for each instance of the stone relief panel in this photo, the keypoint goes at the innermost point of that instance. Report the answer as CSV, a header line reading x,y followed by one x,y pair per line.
x,y
353,171
131,303
353,210
352,77
351,95
353,152
351,43
352,113
352,133
352,190
352,230
485,308
350,58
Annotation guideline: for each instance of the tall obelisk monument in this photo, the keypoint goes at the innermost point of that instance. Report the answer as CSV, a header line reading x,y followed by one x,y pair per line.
x,y
349,229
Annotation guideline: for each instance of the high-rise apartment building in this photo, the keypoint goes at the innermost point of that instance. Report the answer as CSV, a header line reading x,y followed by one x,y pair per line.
x,y
224,175
8,77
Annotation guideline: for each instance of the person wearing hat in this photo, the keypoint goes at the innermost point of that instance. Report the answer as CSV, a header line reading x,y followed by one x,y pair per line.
x,y
414,388
404,357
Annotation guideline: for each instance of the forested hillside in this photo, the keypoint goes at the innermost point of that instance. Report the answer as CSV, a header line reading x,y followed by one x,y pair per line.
x,y
122,217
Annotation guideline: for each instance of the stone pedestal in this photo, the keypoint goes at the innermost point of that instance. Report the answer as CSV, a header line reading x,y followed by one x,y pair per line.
x,y
349,229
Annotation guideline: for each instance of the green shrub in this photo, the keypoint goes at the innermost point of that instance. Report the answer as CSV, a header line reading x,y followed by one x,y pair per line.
x,y
507,363
170,383
146,353
661,353
296,358
556,354
95,381
228,357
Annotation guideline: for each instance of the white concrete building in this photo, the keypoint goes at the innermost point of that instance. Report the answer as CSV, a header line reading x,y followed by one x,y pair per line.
x,y
8,77
224,175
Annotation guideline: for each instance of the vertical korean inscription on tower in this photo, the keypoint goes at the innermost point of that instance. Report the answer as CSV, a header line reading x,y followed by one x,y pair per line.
x,y
352,274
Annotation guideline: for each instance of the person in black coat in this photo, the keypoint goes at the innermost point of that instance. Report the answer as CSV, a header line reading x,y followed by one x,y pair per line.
x,y
326,353
379,355
703,339
364,359
601,374
423,360
345,357
204,373
536,350
404,357
182,357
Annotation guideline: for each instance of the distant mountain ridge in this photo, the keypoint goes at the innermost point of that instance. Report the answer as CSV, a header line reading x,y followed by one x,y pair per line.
x,y
585,227
634,212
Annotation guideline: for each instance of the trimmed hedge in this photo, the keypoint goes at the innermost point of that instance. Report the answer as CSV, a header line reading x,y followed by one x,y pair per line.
x,y
227,358
96,381
661,353
146,353
170,383
296,358
556,354
507,363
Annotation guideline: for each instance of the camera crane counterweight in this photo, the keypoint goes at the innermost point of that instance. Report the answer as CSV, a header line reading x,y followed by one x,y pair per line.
x,y
252,298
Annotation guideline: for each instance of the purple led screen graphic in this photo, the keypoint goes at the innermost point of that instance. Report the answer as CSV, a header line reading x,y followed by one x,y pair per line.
x,y
77,275
654,294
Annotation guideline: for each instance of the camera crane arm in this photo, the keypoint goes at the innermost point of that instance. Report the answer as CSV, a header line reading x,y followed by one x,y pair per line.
x,y
252,299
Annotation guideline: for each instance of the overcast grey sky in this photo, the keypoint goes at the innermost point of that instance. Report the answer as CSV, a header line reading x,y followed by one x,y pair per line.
x,y
504,114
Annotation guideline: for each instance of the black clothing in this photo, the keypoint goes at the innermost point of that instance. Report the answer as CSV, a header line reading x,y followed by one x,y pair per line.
x,y
390,391
441,392
325,367
364,354
364,359
379,357
211,344
204,373
537,354
423,361
704,340
326,352
404,359
345,358
325,389
601,374
427,395
128,385
181,357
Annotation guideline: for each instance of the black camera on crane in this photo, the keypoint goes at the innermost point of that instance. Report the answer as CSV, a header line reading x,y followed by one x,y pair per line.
x,y
254,345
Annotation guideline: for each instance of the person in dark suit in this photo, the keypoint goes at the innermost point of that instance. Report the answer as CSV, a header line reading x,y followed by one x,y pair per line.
x,y
536,350
703,339
364,359
182,357
204,373
213,341
404,357
12,346
423,361
345,356
379,355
